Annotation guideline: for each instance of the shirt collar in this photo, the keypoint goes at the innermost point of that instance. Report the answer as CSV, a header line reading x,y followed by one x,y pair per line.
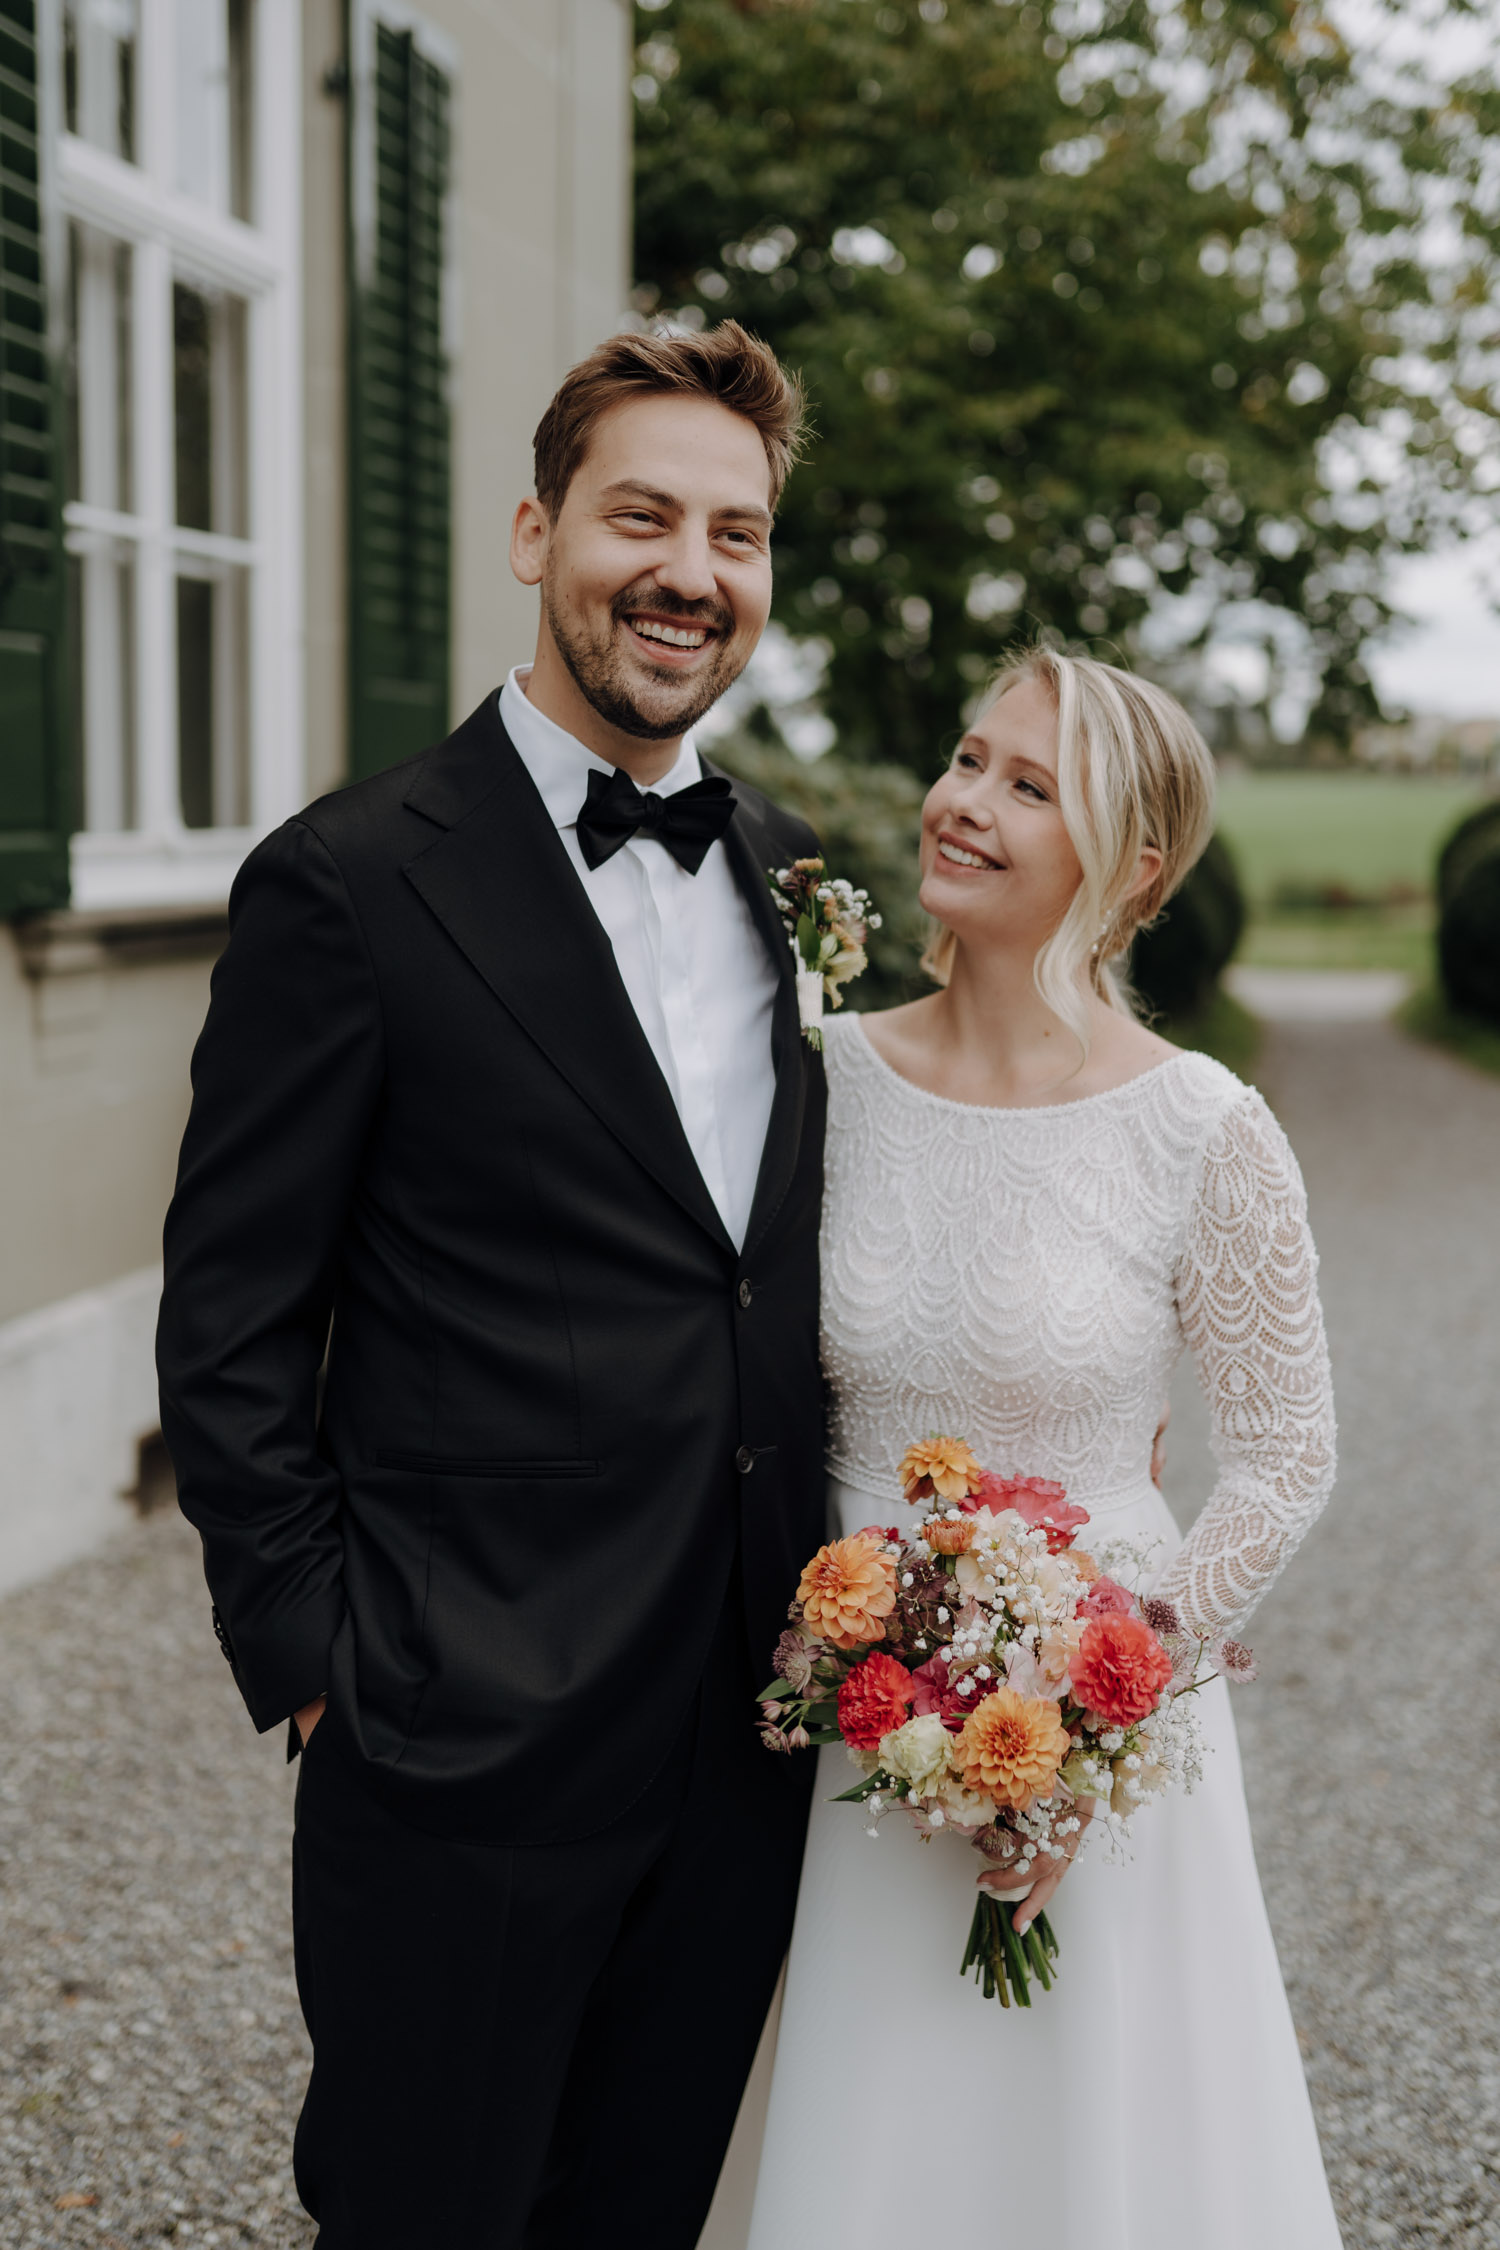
x,y
558,762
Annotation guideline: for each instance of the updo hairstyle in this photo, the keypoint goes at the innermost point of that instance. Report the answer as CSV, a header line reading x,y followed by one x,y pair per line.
x,y
1133,771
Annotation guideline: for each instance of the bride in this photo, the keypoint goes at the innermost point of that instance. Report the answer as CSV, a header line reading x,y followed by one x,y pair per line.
x,y
1033,1204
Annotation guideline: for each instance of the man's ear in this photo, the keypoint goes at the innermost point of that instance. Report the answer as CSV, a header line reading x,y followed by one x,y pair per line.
x,y
529,534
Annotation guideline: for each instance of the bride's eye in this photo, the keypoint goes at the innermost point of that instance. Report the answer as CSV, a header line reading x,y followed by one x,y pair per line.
x,y
1039,794
965,761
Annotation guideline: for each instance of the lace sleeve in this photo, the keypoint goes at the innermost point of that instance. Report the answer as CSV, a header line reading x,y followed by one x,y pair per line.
x,y
1248,1303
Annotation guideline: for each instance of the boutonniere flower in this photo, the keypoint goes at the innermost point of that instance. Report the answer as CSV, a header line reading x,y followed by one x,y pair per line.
x,y
827,922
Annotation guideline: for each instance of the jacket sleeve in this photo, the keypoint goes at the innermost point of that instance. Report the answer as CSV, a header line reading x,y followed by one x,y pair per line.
x,y
286,1078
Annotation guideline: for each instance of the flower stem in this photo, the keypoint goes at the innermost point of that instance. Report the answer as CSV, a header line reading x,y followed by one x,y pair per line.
x,y
1004,1961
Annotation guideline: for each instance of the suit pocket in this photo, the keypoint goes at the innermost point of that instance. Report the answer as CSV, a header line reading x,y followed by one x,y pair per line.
x,y
444,1465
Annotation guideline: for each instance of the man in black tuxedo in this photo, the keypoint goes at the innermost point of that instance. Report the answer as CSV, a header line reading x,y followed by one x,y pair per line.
x,y
502,1104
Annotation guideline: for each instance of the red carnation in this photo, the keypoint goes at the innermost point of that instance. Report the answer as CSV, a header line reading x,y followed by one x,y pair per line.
x,y
1038,1501
1120,1670
873,1701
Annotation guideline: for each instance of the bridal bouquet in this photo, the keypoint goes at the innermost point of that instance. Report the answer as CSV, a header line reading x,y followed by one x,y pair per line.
x,y
987,1676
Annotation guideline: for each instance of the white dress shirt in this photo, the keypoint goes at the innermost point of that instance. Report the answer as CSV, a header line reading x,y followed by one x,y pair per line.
x,y
699,976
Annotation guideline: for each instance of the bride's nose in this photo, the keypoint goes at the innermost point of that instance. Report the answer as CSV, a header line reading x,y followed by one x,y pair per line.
x,y
967,803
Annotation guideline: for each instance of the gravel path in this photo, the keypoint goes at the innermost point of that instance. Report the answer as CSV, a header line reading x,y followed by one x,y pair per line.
x,y
1373,1780
151,2052
152,2055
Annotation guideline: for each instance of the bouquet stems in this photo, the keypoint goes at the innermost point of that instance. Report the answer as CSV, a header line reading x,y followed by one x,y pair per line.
x,y
1004,1959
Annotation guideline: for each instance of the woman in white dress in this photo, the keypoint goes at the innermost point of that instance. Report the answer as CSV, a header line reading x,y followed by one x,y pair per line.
x,y
1033,1204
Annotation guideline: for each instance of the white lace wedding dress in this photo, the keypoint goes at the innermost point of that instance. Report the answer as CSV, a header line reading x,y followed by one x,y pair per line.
x,y
1027,1279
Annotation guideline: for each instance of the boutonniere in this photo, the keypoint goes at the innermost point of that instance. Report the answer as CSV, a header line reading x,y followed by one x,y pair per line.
x,y
827,922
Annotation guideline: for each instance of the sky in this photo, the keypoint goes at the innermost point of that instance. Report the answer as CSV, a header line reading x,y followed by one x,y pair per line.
x,y
1450,661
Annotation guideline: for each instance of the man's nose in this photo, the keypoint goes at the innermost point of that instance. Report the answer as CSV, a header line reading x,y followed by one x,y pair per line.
x,y
688,567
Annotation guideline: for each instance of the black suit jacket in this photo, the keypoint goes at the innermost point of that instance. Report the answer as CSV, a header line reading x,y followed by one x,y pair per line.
x,y
557,1403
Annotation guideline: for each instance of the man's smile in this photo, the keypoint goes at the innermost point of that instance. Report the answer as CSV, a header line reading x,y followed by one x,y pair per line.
x,y
669,640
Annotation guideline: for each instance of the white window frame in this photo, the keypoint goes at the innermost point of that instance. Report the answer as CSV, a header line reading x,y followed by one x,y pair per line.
x,y
161,861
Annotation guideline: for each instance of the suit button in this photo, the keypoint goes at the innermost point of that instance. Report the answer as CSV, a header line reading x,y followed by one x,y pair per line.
x,y
744,1460
745,1295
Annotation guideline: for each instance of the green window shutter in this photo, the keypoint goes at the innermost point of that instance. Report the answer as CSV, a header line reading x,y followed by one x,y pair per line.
x,y
399,450
34,778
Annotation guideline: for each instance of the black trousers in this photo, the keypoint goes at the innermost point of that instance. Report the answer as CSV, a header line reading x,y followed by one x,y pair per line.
x,y
542,2047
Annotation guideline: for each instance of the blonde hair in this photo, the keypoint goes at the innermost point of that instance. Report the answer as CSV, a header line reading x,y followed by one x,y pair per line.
x,y
1132,771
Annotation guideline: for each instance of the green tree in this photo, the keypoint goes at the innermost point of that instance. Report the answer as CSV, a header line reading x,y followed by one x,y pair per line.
x,y
1094,301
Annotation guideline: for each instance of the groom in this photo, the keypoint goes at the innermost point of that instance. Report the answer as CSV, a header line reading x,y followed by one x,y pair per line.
x,y
503,1120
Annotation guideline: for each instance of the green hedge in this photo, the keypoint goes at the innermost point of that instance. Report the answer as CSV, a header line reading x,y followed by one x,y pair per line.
x,y
1468,888
1176,963
870,820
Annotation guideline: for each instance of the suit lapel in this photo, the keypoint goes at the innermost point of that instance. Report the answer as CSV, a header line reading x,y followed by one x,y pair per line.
x,y
753,852
499,880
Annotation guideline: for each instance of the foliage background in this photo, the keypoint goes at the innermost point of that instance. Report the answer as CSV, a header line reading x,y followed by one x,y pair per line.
x,y
1096,302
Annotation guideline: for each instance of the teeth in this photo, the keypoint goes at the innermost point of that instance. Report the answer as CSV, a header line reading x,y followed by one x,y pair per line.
x,y
675,636
964,859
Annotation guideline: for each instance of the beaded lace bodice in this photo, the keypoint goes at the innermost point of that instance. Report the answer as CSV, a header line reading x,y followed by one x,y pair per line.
x,y
1027,1278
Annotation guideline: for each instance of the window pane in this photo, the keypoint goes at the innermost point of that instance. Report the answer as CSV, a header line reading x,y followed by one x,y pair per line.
x,y
209,342
213,87
97,370
101,575
99,48
213,715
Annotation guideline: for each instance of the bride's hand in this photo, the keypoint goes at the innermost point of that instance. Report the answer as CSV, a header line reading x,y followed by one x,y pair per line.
x,y
1047,1871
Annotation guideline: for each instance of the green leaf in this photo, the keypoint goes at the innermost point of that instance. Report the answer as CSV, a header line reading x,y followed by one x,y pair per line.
x,y
861,1790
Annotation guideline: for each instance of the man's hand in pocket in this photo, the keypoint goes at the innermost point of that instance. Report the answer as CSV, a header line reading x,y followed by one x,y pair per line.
x,y
308,1717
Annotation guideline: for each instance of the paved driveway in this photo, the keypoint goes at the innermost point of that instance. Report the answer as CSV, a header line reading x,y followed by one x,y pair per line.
x,y
151,2054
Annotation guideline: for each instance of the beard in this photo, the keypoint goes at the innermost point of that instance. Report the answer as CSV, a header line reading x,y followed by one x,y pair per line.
x,y
661,711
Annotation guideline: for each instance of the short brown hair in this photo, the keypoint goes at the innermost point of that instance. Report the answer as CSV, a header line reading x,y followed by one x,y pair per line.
x,y
723,363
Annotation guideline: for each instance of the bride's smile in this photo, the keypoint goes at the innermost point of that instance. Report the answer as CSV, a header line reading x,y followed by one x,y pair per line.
x,y
997,811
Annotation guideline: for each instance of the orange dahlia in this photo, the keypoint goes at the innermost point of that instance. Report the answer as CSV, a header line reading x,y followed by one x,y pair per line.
x,y
846,1592
1011,1747
939,1467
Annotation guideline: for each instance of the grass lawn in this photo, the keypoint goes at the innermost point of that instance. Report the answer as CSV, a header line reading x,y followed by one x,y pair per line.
x,y
1398,937
1371,834
1367,831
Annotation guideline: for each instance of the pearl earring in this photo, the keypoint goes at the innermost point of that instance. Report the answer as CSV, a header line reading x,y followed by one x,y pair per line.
x,y
1099,940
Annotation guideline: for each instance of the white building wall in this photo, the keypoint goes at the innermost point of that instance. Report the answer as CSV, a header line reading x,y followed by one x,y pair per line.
x,y
98,1013
77,1396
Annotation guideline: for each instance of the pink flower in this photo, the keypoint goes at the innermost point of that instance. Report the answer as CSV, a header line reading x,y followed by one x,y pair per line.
x,y
929,1686
1235,1662
1106,1599
1037,1501
931,1692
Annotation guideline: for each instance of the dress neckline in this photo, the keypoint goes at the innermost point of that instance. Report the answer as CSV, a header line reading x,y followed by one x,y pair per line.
x,y
1022,1109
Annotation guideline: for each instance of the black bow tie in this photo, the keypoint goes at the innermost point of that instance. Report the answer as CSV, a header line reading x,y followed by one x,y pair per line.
x,y
686,823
